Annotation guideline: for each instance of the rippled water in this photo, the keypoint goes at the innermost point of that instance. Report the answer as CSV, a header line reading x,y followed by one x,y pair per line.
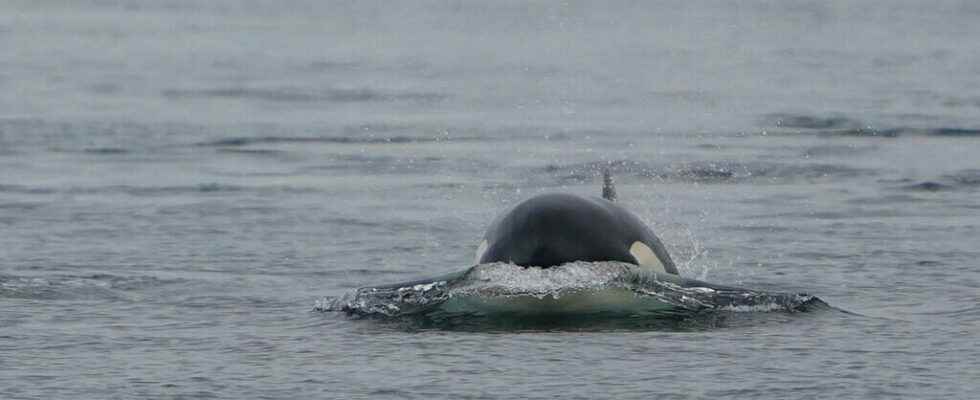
x,y
181,182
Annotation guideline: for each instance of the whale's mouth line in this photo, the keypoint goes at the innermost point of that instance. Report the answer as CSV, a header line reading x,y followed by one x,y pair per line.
x,y
616,290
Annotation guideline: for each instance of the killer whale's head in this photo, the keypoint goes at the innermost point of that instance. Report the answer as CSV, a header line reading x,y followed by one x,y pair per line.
x,y
557,228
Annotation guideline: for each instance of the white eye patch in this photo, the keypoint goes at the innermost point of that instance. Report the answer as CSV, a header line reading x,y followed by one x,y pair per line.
x,y
479,252
646,257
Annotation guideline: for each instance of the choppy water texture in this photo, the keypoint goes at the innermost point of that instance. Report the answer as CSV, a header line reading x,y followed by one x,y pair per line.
x,y
181,182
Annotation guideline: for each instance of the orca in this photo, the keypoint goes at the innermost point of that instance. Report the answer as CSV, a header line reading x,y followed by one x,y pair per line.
x,y
519,271
552,229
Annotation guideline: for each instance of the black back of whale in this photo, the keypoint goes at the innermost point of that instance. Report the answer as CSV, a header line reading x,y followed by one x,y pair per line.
x,y
557,228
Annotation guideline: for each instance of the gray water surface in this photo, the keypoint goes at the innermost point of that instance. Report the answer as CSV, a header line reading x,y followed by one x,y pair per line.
x,y
182,181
